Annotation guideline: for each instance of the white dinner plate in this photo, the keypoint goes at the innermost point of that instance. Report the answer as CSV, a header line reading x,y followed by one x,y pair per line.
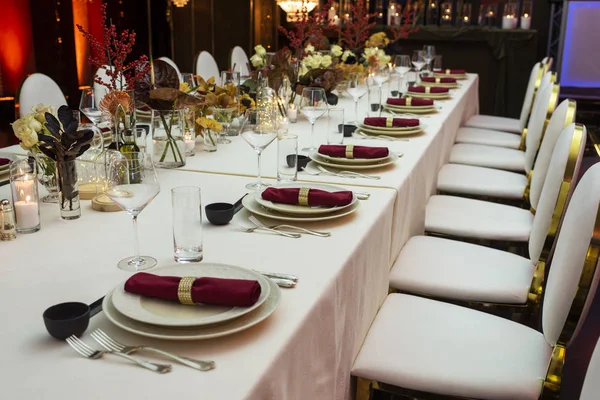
x,y
169,313
252,206
432,96
415,130
455,76
296,209
194,333
444,85
411,110
388,129
11,157
352,161
391,159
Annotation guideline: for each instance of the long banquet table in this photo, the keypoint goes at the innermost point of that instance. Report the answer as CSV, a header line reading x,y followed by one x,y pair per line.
x,y
304,350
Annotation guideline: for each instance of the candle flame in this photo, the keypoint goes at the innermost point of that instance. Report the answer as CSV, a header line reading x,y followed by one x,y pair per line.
x,y
526,15
21,193
27,199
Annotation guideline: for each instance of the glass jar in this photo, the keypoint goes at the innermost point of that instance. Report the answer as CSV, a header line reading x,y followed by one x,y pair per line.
x,y
167,138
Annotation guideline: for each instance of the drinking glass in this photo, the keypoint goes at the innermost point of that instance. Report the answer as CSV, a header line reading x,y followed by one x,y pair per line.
x,y
374,108
224,116
230,77
429,53
188,78
259,130
437,63
313,106
132,184
335,126
287,157
403,65
357,88
187,224
418,60
381,75
89,107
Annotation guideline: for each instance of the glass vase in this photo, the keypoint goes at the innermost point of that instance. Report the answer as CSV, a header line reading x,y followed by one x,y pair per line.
x,y
68,191
210,140
46,175
167,137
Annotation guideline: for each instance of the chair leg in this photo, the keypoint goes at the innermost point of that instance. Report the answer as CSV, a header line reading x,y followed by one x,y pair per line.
x,y
363,388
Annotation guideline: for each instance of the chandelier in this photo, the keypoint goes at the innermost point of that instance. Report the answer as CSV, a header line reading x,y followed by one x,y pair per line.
x,y
180,3
296,8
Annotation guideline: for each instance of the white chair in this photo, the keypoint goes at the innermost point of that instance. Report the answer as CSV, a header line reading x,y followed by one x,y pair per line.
x,y
547,63
591,384
172,64
511,159
206,66
494,183
490,123
418,347
39,89
239,61
449,269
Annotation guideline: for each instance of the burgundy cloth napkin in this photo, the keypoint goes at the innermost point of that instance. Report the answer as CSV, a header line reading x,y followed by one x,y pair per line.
x,y
396,122
421,89
4,161
442,80
215,291
357,151
316,197
413,102
454,71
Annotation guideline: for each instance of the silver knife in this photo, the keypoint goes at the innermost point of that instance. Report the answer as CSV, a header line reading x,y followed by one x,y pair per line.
x,y
278,275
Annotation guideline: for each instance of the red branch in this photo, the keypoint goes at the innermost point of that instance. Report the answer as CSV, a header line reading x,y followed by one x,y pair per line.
x,y
113,50
406,27
357,26
307,27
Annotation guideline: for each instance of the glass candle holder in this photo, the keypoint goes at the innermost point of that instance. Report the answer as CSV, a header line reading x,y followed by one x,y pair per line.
x,y
509,17
488,14
526,11
292,113
433,12
26,200
446,13
464,15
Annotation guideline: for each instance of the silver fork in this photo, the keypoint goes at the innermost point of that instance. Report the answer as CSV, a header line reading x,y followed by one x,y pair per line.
x,y
110,344
315,173
259,223
254,228
79,346
349,173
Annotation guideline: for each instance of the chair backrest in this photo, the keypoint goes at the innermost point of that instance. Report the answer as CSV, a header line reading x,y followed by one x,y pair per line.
x,y
239,61
172,64
591,384
534,78
573,277
39,89
546,100
558,188
547,64
206,66
561,117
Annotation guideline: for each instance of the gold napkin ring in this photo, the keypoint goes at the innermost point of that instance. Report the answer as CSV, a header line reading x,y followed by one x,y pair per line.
x,y
438,80
389,122
408,101
184,290
448,72
350,149
303,196
427,89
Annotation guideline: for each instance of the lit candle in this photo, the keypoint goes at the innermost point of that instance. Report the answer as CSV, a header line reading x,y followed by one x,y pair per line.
x,y
331,14
292,113
390,14
26,207
466,18
507,22
525,21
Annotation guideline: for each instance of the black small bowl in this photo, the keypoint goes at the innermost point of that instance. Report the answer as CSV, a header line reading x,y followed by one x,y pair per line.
x,y
302,162
66,319
219,213
348,130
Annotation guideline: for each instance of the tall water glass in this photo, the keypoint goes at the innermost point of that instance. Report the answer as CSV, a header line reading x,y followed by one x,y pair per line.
x,y
381,76
418,60
313,105
230,77
403,65
287,157
187,224
357,88
335,126
188,78
437,63
429,53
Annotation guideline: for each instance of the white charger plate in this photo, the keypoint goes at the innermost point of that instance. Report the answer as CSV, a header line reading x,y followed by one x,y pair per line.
x,y
443,85
154,311
455,76
351,161
251,205
418,129
194,333
391,159
303,210
388,129
433,96
409,110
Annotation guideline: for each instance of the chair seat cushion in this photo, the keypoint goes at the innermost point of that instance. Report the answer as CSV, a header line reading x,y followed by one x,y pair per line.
x,y
488,156
461,271
488,137
469,218
480,181
504,124
441,348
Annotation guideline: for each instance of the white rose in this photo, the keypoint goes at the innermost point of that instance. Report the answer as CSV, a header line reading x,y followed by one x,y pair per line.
x,y
33,123
303,70
326,61
316,60
309,49
336,50
260,50
27,136
347,54
40,111
256,60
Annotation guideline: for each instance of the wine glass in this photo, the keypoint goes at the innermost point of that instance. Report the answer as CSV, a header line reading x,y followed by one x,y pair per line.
x,y
89,106
230,77
313,106
418,60
403,65
132,184
357,88
381,75
188,78
259,130
429,56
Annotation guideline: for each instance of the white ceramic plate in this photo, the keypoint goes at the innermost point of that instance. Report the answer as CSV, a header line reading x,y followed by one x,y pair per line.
x,y
303,210
251,205
455,76
393,157
394,133
433,96
388,129
352,161
11,157
402,110
194,333
444,85
168,313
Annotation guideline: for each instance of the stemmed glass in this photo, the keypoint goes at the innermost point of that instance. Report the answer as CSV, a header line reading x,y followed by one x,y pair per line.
x,y
188,78
429,56
313,106
357,88
89,106
259,130
418,60
403,65
381,75
132,184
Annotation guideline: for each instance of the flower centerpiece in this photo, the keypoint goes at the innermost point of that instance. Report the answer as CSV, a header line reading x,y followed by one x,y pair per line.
x,y
62,142
208,129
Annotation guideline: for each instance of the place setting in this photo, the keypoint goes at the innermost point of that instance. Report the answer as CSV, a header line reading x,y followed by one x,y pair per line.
x,y
5,160
410,106
390,126
445,82
429,92
458,74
